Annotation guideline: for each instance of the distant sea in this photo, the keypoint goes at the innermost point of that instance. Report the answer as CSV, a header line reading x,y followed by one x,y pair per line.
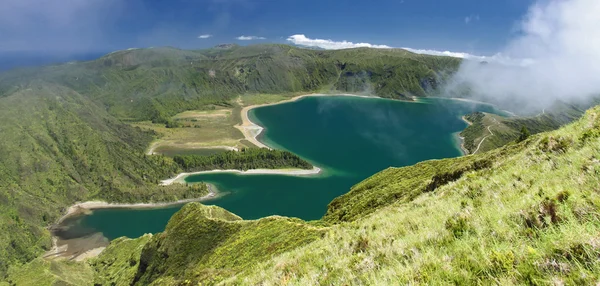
x,y
11,60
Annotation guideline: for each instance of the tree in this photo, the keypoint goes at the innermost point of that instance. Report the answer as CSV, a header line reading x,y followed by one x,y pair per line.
x,y
524,134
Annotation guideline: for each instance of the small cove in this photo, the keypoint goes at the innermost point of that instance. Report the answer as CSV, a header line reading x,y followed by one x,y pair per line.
x,y
350,138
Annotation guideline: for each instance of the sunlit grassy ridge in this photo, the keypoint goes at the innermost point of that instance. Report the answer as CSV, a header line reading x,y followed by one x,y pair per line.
x,y
209,244
532,216
526,213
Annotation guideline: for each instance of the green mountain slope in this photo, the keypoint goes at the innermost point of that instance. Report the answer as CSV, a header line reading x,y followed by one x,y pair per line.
x,y
57,148
460,220
507,129
64,139
530,215
526,213
160,82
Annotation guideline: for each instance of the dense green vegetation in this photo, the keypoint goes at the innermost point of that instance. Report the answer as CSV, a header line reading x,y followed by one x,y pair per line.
x,y
245,159
524,134
199,241
119,262
64,140
509,129
525,213
157,83
58,148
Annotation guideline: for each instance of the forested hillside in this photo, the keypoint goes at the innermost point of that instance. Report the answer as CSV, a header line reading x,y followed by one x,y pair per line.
x,y
160,82
57,148
245,159
64,138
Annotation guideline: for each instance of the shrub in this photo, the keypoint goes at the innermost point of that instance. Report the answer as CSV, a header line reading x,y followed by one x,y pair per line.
x,y
524,134
458,224
554,144
502,261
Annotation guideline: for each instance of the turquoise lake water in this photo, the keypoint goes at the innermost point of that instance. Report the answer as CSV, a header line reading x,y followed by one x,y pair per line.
x,y
350,138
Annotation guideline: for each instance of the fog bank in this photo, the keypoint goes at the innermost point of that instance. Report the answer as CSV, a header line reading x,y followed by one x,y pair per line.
x,y
555,56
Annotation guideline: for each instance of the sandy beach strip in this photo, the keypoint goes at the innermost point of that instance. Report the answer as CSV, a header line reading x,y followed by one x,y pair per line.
x,y
462,139
94,205
251,130
466,121
287,172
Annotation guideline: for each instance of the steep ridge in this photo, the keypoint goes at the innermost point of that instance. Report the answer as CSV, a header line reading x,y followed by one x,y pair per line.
x,y
57,148
208,243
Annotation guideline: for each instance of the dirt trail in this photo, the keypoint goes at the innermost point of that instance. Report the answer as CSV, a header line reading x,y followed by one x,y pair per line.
x,y
486,137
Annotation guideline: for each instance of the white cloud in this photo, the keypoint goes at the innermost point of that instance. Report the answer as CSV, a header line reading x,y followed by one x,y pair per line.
x,y
250,38
444,53
302,40
205,36
561,39
497,58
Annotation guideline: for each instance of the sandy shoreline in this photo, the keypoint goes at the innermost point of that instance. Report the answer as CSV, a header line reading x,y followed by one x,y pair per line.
x,y
288,172
251,130
462,139
62,248
84,207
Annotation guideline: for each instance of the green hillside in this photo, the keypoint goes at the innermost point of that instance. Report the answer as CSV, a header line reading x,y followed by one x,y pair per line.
x,y
523,213
157,83
507,129
65,138
58,148
526,213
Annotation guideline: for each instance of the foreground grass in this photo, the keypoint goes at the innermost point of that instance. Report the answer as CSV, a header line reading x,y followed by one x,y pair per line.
x,y
533,217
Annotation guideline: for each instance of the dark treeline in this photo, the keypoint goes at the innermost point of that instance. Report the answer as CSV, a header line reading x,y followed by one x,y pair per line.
x,y
246,159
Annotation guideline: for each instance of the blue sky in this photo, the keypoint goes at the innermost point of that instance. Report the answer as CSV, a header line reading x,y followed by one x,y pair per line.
x,y
474,26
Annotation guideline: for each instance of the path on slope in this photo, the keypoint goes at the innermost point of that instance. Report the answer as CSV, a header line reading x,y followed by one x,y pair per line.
x,y
491,134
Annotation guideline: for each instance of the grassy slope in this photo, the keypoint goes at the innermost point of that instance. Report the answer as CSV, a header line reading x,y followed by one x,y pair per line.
x,y
42,272
526,213
531,217
118,263
507,129
207,243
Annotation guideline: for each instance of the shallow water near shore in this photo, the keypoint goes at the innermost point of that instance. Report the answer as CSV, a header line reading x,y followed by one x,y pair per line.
x,y
350,138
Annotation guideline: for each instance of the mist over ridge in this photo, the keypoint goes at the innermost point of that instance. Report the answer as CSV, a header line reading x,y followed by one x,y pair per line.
x,y
556,56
